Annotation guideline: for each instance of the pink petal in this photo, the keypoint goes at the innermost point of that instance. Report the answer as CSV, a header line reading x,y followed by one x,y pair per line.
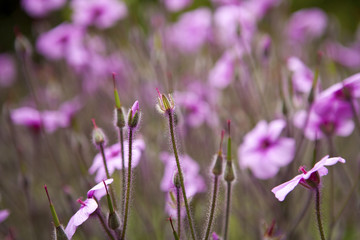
x,y
275,128
282,152
4,215
325,161
98,187
282,190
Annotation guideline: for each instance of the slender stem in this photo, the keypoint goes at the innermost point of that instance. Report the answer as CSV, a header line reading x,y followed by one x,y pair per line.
x,y
178,206
103,224
107,174
318,215
171,126
213,205
299,217
128,188
228,198
123,167
332,195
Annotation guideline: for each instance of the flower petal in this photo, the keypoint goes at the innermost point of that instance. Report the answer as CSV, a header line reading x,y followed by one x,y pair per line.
x,y
282,190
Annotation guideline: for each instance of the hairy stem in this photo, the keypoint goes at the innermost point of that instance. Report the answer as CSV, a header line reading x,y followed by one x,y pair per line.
x,y
227,214
103,224
178,206
318,215
123,167
213,205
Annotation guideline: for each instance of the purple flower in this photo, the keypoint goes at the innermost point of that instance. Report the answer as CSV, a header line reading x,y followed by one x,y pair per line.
x,y
40,8
306,25
7,70
222,74
264,151
4,214
87,207
215,236
176,5
98,191
302,76
26,116
191,31
346,56
113,158
100,13
309,179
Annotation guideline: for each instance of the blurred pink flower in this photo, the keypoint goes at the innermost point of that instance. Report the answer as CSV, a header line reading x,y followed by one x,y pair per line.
x,y
264,151
176,5
306,25
98,191
113,158
7,70
309,179
4,214
302,77
87,207
100,13
346,56
191,31
222,74
26,116
40,8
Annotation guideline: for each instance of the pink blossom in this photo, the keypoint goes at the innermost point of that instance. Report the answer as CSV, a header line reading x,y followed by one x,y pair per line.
x,y
113,158
40,8
264,151
98,191
7,70
4,214
100,13
176,5
306,25
87,207
346,56
308,179
302,76
191,31
26,116
222,74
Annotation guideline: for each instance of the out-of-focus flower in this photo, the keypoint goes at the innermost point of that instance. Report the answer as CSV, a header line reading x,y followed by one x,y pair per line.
x,y
87,207
302,76
26,116
306,25
176,5
264,151
63,42
100,13
309,179
113,158
98,191
191,31
7,70
4,214
346,56
222,74
215,236
40,8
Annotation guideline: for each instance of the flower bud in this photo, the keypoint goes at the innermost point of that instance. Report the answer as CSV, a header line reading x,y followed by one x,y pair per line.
x,y
98,136
60,233
113,220
165,104
134,115
176,180
229,175
119,118
218,166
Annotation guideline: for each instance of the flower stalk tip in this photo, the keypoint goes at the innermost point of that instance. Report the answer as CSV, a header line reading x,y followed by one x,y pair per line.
x,y
52,209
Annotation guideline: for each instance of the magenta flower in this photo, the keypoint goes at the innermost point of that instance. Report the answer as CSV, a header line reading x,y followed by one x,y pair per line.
x,y
113,158
176,5
4,214
98,191
306,25
346,56
87,207
302,76
26,116
264,151
7,70
222,74
40,8
309,179
191,31
100,13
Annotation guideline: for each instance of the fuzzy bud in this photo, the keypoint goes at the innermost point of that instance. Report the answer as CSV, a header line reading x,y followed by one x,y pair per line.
x,y
113,220
165,104
229,175
119,118
98,136
134,115
218,166
176,180
60,233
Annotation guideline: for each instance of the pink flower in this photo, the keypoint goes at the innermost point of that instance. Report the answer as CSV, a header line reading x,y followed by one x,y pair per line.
x,y
4,214
309,179
113,158
87,207
222,74
98,191
302,76
346,56
40,8
191,31
7,70
100,13
176,5
264,151
26,116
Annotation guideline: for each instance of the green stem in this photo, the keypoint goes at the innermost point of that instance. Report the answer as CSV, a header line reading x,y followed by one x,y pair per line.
x,y
128,188
103,224
178,205
213,205
227,215
171,126
318,215
123,167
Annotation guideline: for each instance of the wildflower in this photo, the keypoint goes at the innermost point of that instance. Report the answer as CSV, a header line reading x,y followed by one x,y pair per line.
x,y
26,116
40,8
264,151
113,158
309,179
100,13
165,104
222,74
87,207
7,70
176,5
98,191
346,56
302,77
4,214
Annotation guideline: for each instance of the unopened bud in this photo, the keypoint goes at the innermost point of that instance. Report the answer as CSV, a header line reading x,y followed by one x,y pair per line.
x,y
229,175
60,233
176,180
98,136
134,115
218,166
119,118
113,220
